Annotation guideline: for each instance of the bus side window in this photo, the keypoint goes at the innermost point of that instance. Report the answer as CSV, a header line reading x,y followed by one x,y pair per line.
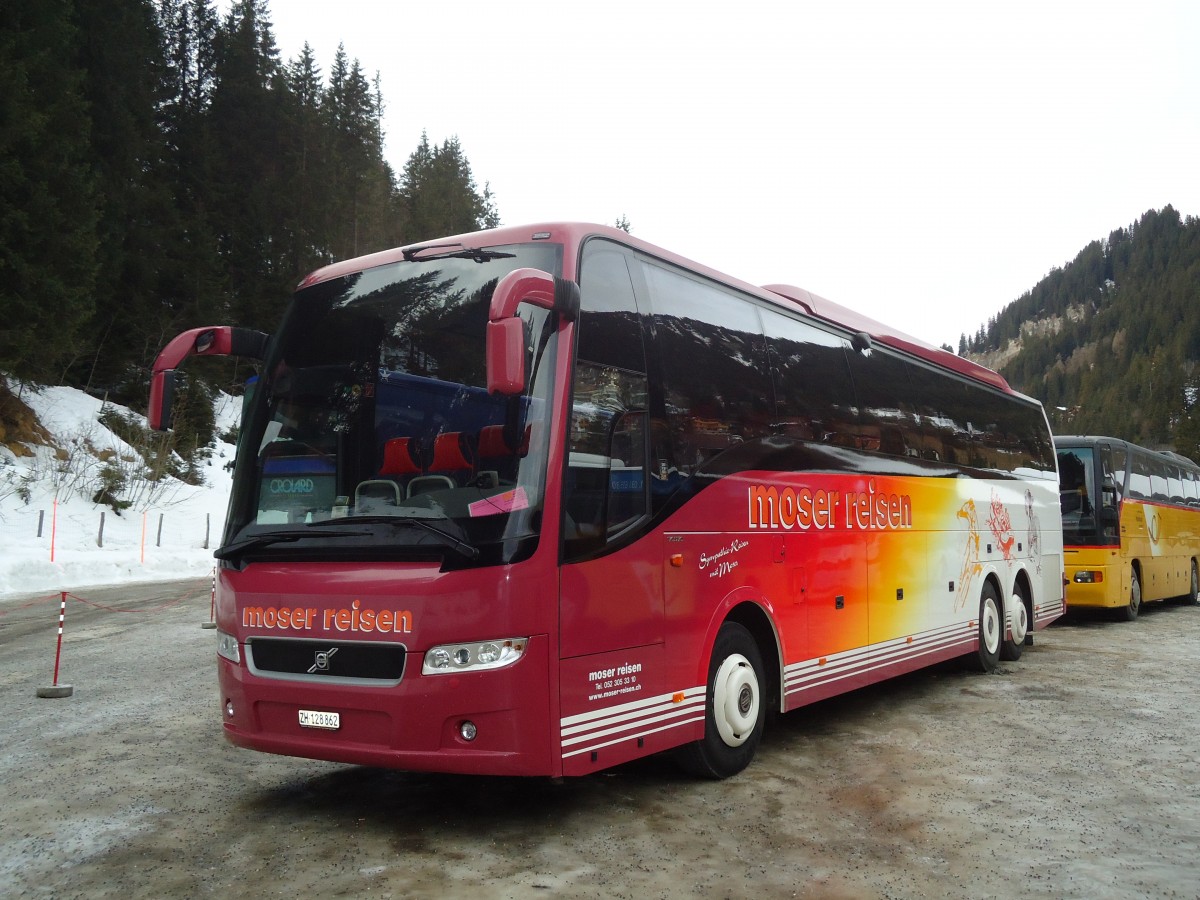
x,y
1139,478
811,380
606,465
716,392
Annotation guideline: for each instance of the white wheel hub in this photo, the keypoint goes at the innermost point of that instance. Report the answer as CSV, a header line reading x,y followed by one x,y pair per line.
x,y
736,699
1020,620
990,626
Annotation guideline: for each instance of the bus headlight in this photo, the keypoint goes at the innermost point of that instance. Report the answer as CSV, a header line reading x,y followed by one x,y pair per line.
x,y
473,657
227,647
1089,577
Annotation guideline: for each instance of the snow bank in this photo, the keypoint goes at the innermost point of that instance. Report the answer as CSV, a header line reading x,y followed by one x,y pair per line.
x,y
50,532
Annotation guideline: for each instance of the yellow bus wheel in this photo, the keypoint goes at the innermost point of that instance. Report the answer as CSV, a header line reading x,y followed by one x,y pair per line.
x,y
1131,609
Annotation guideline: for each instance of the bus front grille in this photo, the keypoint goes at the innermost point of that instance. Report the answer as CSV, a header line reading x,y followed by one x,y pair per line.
x,y
364,662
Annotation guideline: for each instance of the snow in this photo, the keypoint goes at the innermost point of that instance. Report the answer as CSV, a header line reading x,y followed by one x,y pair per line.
x,y
50,529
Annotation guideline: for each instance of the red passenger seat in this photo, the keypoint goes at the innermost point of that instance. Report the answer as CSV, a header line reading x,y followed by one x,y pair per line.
x,y
398,458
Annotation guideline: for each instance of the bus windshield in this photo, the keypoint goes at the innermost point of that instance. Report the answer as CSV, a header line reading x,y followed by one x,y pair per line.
x,y
1081,499
1076,484
371,433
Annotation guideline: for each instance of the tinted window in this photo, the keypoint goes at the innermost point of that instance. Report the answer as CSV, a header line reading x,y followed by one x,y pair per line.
x,y
814,397
1076,487
716,392
1139,477
609,331
1174,484
605,492
943,408
1120,466
1158,479
887,417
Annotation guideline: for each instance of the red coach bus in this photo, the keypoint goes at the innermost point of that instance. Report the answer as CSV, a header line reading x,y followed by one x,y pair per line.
x,y
542,500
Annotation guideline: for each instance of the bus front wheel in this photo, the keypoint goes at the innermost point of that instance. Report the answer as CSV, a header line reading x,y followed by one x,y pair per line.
x,y
991,629
1130,611
1193,596
734,708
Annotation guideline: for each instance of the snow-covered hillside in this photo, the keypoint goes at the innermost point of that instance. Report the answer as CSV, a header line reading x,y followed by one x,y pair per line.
x,y
160,537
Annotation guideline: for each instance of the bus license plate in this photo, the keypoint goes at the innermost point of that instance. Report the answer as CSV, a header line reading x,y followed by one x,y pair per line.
x,y
329,721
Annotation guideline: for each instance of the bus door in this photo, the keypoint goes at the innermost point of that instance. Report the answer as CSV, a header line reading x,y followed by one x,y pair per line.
x,y
611,616
1109,485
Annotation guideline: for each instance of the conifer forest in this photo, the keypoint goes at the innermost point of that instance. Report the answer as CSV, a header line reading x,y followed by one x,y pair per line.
x,y
162,167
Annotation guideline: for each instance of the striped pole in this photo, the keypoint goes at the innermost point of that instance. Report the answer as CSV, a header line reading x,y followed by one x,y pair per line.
x,y
212,604
53,527
57,690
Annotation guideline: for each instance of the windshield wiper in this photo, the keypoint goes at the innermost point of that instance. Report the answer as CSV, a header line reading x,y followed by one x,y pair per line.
x,y
422,254
467,550
237,548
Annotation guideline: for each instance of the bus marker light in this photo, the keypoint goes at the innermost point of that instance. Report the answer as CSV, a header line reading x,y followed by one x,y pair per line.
x,y
677,560
677,697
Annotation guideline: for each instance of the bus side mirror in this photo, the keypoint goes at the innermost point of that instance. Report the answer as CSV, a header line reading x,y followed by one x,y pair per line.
x,y
219,341
162,394
506,331
506,356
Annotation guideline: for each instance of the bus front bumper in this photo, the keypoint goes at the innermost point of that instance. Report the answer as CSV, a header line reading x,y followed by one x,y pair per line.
x,y
419,724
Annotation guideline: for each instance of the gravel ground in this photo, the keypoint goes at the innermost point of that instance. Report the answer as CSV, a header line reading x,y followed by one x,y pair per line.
x,y
1071,773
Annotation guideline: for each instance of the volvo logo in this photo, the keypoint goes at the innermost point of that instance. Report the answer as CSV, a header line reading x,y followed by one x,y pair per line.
x,y
321,663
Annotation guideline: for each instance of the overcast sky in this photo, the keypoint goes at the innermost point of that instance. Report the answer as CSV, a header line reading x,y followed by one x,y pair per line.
x,y
925,163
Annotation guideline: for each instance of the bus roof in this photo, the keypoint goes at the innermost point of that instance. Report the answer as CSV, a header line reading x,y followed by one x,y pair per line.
x,y
575,233
1087,440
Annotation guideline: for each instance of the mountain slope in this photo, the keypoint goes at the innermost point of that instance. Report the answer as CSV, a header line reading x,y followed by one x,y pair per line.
x,y
1111,341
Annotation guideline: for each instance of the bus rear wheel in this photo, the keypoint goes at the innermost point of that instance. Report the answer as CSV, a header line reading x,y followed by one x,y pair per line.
x,y
1129,612
991,629
1011,648
1193,597
734,711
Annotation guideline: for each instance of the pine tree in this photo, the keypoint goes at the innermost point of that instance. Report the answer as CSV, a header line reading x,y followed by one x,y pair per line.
x,y
121,52
439,193
190,276
303,166
246,120
48,207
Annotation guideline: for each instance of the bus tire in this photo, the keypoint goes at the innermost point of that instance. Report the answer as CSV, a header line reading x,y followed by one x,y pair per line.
x,y
1011,648
734,708
991,629
1130,610
1193,596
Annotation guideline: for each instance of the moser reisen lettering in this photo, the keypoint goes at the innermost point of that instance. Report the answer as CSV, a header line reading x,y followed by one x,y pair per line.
x,y
307,618
804,508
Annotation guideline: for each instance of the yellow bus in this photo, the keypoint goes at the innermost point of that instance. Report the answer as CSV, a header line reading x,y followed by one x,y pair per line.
x,y
1131,524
